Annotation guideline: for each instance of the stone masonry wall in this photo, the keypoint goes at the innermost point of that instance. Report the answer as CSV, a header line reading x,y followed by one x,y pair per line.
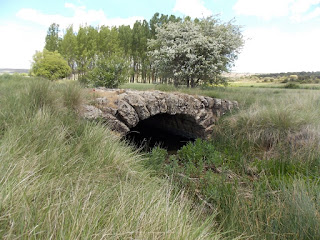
x,y
123,109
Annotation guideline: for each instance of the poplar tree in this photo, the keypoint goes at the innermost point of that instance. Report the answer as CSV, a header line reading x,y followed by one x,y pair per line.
x,y
86,49
68,48
52,38
125,39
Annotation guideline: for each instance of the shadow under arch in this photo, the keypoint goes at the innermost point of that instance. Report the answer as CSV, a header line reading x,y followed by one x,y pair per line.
x,y
169,131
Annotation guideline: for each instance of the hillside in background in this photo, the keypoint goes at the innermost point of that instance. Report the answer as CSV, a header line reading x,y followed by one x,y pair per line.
x,y
287,74
13,70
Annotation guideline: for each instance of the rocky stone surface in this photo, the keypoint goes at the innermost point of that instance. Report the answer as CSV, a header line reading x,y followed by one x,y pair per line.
x,y
124,109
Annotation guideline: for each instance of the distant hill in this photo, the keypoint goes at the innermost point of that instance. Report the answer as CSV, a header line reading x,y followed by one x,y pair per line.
x,y
302,75
12,70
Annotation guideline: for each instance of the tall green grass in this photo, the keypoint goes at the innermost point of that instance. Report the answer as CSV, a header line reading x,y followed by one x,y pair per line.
x,y
273,145
275,138
260,169
65,178
275,124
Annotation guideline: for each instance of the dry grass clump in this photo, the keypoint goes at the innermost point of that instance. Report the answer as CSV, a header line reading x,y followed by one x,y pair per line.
x,y
285,123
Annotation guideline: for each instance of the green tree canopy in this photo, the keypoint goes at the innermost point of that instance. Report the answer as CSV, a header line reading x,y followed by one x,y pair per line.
x,y
52,38
68,47
189,51
86,49
50,65
108,72
165,49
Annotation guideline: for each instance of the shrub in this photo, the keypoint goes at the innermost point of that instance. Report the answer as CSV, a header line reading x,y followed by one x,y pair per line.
x,y
156,159
50,65
5,76
292,86
108,72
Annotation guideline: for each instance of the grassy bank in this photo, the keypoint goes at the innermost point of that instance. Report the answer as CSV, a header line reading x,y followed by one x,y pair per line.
x,y
275,142
261,169
65,178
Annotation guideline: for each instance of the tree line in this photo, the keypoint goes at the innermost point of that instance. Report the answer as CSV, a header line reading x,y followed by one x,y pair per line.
x,y
303,77
82,47
166,49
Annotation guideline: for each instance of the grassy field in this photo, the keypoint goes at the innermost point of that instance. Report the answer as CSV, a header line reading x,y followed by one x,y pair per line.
x,y
274,85
65,178
235,84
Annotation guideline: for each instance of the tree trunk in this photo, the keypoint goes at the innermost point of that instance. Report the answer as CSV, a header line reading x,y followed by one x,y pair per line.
x,y
175,82
134,71
192,83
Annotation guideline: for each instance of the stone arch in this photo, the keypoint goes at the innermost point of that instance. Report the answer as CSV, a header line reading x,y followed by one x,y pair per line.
x,y
124,109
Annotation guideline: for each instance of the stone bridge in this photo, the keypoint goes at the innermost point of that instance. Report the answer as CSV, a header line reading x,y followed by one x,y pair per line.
x,y
182,114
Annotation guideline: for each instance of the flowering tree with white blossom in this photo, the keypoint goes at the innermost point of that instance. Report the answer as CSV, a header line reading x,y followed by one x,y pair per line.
x,y
194,51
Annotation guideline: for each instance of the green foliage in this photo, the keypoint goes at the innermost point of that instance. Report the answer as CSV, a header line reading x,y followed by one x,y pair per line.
x,y
108,41
50,65
157,159
217,43
199,156
292,86
68,46
6,76
52,38
158,20
108,72
193,162
295,77
86,49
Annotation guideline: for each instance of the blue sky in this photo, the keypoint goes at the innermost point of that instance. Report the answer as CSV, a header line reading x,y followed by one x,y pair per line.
x,y
281,35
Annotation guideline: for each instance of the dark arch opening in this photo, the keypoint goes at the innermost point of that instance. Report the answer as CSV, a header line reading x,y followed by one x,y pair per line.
x,y
169,131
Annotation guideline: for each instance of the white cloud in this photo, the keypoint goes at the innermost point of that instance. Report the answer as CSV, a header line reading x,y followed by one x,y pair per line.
x,y
192,8
302,6
272,50
18,43
314,14
263,8
81,16
297,10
